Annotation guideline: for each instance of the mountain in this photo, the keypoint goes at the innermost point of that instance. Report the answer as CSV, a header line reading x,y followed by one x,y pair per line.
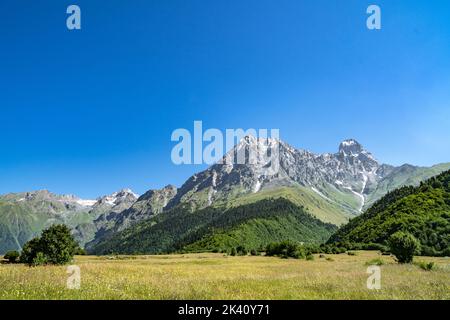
x,y
24,215
253,226
333,187
424,211
146,206
350,179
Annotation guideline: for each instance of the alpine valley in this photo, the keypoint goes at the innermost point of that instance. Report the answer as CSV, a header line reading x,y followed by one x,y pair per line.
x,y
227,205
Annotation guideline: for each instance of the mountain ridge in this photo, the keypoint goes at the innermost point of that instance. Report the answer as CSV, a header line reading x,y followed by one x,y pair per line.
x,y
333,187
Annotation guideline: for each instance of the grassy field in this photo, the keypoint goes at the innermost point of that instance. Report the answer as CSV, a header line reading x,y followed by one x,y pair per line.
x,y
214,276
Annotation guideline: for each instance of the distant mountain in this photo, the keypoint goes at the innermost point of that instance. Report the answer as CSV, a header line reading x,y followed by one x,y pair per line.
x,y
148,205
24,215
333,187
423,211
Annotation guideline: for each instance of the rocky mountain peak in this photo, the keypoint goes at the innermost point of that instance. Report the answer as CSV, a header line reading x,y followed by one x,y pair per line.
x,y
116,198
350,147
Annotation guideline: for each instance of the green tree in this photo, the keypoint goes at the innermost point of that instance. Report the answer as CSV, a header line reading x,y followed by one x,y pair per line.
x,y
12,256
404,245
30,251
55,246
58,244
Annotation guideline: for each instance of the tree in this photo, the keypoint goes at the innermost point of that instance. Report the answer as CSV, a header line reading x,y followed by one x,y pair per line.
x,y
12,256
55,246
404,245
30,251
58,244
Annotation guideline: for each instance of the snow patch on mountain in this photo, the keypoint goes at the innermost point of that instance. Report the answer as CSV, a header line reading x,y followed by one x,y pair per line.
x,y
86,203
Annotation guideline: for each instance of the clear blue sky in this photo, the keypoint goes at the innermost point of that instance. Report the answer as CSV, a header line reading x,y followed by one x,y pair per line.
x,y
89,112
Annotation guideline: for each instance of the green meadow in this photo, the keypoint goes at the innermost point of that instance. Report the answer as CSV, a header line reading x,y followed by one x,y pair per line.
x,y
216,276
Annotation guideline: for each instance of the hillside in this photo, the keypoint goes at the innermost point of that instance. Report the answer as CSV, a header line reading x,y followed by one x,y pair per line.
x,y
423,211
24,215
253,225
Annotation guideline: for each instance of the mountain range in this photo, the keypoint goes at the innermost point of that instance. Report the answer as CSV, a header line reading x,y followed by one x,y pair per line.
x,y
325,190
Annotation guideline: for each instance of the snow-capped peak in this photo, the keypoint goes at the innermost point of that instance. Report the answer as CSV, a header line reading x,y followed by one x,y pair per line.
x,y
118,197
350,146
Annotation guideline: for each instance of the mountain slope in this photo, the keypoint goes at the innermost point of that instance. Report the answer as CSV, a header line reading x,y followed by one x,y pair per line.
x,y
423,211
313,203
251,225
24,215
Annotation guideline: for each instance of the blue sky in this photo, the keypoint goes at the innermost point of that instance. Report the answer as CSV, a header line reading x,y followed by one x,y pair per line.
x,y
89,112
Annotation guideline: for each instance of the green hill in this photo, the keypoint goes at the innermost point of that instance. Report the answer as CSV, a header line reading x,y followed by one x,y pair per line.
x,y
424,211
251,225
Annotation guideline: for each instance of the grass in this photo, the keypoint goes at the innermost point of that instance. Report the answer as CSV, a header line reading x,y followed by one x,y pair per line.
x,y
215,276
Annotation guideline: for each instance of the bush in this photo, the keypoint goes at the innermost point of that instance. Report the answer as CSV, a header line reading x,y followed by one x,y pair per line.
x,y
241,251
425,266
233,251
253,252
11,256
82,252
286,249
39,260
309,257
55,246
375,262
403,245
351,253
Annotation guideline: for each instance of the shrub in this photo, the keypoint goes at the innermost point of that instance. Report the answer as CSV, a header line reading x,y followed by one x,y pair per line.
x,y
253,252
351,253
375,262
55,246
309,257
286,249
39,260
81,252
241,251
11,256
233,252
425,266
403,245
